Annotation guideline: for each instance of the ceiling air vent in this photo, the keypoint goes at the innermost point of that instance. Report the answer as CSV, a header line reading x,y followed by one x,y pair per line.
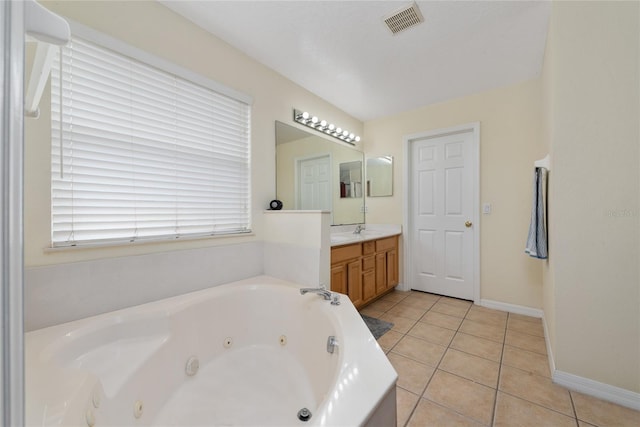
x,y
404,18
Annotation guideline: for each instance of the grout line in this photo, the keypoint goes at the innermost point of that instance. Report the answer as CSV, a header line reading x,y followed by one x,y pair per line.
x,y
495,400
529,372
434,368
473,420
447,347
439,362
419,395
526,349
520,397
575,415
573,406
537,404
524,333
450,373
473,355
414,406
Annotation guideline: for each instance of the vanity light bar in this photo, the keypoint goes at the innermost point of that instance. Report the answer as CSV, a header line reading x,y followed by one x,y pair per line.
x,y
330,129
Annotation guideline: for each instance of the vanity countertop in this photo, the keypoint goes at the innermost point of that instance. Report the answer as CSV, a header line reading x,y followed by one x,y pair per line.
x,y
371,232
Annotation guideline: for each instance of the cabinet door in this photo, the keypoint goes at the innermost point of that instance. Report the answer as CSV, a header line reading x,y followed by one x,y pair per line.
x,y
354,282
339,278
381,272
368,285
368,263
392,268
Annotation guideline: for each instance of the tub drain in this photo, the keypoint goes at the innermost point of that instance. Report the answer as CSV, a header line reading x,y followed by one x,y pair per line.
x,y
304,414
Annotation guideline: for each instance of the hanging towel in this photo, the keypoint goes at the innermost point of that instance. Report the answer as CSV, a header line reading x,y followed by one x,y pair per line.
x,y
537,238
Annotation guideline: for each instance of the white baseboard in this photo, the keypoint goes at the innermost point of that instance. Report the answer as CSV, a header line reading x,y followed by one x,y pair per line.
x,y
402,287
593,388
597,389
512,308
547,341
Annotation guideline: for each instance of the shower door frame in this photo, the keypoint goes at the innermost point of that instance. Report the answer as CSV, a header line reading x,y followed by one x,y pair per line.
x,y
11,211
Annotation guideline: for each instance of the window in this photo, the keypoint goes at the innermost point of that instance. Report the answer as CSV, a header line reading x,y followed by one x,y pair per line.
x,y
142,154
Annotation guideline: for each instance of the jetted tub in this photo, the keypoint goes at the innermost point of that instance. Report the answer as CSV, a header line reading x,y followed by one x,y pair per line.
x,y
249,353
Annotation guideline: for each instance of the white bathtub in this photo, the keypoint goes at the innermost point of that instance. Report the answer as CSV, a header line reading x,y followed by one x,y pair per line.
x,y
262,354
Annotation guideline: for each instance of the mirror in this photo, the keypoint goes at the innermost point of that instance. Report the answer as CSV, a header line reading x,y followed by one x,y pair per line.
x,y
380,176
313,172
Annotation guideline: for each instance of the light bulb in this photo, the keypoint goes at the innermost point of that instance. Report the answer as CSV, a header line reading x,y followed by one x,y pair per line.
x,y
323,123
351,136
345,133
331,127
305,115
357,139
339,131
314,120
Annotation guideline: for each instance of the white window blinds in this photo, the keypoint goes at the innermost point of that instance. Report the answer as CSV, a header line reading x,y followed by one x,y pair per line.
x,y
140,154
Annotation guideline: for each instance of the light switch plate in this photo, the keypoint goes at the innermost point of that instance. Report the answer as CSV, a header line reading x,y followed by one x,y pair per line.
x,y
486,208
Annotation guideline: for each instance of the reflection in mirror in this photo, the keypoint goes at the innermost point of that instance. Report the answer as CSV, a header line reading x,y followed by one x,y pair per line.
x,y
351,179
380,176
308,174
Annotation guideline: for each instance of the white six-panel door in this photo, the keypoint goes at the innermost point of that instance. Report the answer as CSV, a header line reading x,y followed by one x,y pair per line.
x,y
442,210
314,184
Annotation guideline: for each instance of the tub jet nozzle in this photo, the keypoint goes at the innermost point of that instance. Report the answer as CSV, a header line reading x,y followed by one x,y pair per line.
x,y
304,414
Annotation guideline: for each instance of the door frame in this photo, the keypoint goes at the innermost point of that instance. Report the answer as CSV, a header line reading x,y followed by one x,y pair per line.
x,y
474,128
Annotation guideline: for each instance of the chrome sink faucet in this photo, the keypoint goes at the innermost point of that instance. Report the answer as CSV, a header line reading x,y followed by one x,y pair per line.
x,y
358,229
324,293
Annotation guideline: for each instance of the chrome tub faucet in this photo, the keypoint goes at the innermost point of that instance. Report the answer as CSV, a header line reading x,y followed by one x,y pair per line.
x,y
324,293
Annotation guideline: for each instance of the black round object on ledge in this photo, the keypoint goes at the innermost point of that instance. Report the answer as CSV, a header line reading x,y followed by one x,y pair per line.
x,y
275,205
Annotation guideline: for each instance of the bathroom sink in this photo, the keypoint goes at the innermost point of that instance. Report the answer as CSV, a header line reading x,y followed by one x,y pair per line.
x,y
339,238
367,234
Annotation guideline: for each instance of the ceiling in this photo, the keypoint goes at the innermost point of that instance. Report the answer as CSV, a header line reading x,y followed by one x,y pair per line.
x,y
343,52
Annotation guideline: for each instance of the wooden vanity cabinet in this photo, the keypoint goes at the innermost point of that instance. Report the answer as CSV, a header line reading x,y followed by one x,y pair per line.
x,y
381,272
346,272
339,278
368,271
365,271
354,282
386,263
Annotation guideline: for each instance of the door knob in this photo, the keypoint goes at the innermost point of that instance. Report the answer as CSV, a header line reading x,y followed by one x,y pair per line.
x,y
468,224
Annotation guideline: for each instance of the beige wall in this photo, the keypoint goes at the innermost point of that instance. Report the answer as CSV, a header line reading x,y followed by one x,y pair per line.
x,y
594,283
509,143
548,287
152,27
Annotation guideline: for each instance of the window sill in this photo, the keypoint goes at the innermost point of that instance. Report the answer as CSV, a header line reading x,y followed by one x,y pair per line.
x,y
127,243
